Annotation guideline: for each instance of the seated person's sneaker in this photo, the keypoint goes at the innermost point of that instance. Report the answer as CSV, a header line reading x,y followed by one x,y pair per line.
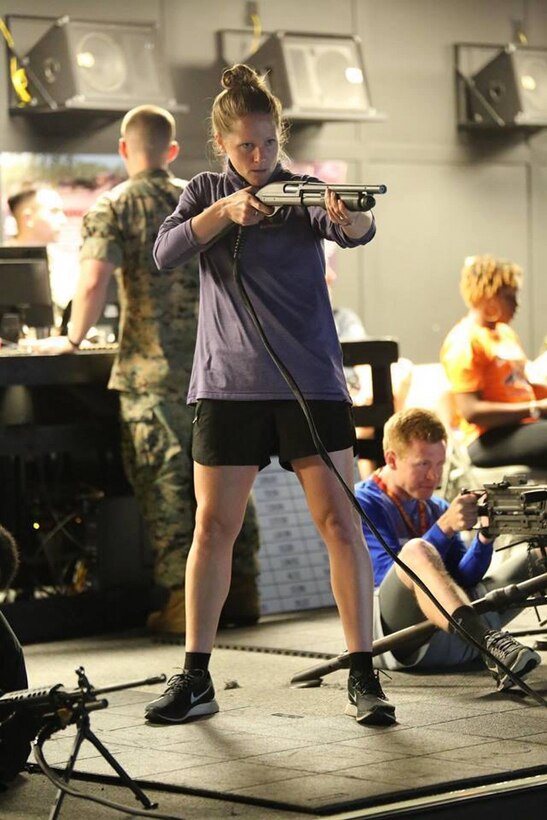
x,y
367,701
521,660
189,694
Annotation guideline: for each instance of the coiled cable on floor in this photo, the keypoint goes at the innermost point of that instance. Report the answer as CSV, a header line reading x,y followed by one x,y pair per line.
x,y
64,786
322,451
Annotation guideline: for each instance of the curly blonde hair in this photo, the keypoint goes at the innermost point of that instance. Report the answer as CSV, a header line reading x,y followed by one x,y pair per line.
x,y
245,92
483,276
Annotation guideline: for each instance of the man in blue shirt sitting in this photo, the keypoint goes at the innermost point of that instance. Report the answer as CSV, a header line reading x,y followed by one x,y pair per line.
x,y
424,530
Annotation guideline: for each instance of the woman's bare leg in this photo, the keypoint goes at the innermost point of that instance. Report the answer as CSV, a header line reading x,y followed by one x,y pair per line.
x,y
221,495
340,527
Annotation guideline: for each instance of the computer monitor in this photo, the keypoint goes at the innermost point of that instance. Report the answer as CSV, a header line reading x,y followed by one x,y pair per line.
x,y
25,288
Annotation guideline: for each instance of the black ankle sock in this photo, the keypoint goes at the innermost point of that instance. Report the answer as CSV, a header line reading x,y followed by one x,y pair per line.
x,y
197,660
471,622
360,662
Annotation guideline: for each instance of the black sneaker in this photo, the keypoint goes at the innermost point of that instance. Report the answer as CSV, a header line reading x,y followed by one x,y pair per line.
x,y
367,701
521,660
190,694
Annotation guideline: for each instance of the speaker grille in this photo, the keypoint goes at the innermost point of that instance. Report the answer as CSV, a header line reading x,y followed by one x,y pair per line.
x,y
317,77
123,62
513,86
531,69
325,75
102,65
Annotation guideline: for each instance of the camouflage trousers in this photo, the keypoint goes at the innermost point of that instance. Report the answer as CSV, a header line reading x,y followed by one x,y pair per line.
x,y
156,450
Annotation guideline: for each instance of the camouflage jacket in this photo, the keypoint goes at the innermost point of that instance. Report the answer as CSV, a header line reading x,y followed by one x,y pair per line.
x,y
158,308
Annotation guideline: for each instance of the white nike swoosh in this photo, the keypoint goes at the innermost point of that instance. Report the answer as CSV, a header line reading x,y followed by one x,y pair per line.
x,y
195,698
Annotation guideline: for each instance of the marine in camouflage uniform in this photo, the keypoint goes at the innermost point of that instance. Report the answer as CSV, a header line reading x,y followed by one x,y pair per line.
x,y
151,373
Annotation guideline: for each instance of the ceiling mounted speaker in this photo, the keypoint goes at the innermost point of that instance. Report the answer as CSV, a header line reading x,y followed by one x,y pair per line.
x,y
99,66
316,76
511,89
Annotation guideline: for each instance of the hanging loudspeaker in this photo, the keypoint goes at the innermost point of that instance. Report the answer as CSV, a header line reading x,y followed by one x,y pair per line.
x,y
99,66
513,85
316,77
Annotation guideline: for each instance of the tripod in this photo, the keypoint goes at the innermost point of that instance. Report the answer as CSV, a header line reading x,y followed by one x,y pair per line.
x,y
497,599
55,708
85,733
540,545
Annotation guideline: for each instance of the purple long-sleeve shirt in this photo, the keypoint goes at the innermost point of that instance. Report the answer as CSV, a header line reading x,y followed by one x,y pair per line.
x,y
282,266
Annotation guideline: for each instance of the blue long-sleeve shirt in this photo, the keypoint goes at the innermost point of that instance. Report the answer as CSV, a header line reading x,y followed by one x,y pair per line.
x,y
282,266
466,565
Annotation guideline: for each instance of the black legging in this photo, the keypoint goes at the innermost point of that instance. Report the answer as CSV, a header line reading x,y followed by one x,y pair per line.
x,y
523,444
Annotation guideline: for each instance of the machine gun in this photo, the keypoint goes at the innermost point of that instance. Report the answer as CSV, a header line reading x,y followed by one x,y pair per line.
x,y
296,192
496,600
48,702
514,507
49,709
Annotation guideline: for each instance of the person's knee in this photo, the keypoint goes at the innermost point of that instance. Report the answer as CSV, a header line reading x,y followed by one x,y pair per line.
x,y
339,529
215,527
417,553
537,561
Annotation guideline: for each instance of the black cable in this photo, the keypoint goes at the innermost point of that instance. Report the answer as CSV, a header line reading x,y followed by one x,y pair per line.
x,y
27,69
58,570
322,451
8,719
511,545
44,734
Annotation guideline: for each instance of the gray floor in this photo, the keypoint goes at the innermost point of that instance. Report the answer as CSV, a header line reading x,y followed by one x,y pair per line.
x,y
276,752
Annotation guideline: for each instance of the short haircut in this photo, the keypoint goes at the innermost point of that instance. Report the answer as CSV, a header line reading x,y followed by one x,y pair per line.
x,y
414,424
18,201
483,276
9,558
149,128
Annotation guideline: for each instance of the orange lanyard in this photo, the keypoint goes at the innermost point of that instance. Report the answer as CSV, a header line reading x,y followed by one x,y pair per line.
x,y
409,523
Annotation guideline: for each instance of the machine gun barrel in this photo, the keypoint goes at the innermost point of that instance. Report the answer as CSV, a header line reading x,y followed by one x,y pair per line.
x,y
50,698
295,192
117,687
497,600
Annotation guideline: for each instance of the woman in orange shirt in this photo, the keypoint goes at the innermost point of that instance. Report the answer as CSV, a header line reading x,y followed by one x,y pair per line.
x,y
503,415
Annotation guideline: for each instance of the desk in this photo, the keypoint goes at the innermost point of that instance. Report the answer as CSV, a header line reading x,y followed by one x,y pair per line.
x,y
84,367
47,401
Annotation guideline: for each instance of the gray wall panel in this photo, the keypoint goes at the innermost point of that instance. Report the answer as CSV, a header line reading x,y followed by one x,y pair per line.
x,y
450,193
412,266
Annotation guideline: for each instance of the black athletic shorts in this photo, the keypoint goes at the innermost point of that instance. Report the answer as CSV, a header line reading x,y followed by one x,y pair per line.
x,y
249,432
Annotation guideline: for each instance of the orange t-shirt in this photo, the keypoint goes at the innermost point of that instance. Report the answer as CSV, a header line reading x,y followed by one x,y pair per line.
x,y
485,360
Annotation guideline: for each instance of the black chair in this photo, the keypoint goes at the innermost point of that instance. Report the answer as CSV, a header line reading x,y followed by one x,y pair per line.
x,y
380,354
